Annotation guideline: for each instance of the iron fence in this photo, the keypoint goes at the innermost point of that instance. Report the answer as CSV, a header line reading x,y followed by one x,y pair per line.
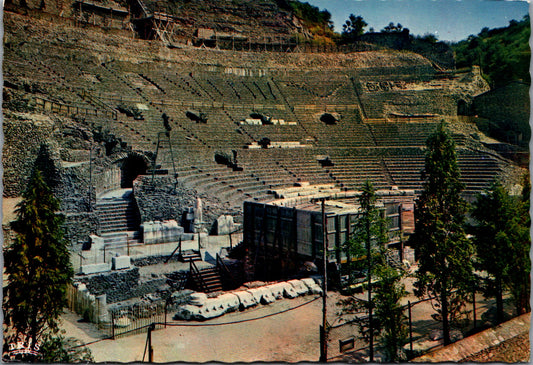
x,y
344,339
116,322
136,319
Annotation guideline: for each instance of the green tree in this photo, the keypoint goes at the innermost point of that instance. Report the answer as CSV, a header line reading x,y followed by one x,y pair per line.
x,y
37,265
353,28
502,53
391,28
519,278
445,253
498,229
368,247
390,314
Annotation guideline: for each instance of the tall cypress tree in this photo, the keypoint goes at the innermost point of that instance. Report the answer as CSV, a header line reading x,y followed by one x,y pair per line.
x,y
37,264
386,321
445,253
496,214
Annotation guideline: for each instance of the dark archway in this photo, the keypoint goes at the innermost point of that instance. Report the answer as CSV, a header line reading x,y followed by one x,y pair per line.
x,y
328,118
463,108
132,166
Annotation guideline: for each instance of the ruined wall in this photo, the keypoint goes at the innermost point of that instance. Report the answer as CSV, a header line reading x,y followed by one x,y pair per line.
x,y
121,285
19,154
78,227
380,104
507,342
162,201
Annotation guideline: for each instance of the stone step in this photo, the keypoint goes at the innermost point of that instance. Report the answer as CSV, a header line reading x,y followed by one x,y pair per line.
x,y
188,255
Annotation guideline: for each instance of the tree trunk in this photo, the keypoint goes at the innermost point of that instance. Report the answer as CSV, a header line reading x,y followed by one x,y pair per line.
x,y
445,322
522,303
499,300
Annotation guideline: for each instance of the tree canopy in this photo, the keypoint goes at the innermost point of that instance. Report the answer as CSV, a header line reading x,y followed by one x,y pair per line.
x,y
37,265
368,245
392,28
445,253
502,244
502,53
353,28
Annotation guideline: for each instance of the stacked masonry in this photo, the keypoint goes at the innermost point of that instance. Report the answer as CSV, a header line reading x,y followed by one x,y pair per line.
x,y
229,88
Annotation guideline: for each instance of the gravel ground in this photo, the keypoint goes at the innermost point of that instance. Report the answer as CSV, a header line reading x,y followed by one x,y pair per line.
x,y
291,336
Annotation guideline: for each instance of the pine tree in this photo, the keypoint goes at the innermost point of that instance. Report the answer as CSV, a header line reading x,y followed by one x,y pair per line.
x,y
519,276
503,243
445,253
37,264
386,320
353,28
496,214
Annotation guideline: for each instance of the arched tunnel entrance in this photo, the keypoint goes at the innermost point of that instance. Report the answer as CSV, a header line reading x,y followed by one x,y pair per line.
x,y
329,119
132,166
463,108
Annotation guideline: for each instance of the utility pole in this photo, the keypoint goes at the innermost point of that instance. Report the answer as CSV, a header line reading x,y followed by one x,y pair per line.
x,y
323,328
150,348
370,304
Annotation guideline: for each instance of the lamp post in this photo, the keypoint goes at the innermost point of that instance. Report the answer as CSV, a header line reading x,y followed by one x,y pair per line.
x,y
323,332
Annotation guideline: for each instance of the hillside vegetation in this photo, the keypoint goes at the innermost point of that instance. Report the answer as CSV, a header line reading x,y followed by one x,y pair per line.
x,y
502,53
317,21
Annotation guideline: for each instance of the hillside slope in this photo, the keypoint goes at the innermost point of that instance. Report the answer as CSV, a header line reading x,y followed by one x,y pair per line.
x,y
502,53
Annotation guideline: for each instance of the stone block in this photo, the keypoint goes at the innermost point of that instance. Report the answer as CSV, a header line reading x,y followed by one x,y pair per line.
x,y
101,303
225,225
95,268
187,236
120,262
161,232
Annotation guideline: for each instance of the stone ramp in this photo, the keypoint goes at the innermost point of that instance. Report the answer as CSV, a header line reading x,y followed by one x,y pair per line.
x,y
492,341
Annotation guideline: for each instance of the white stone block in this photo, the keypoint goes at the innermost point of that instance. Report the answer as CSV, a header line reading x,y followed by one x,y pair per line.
x,y
120,262
161,232
95,268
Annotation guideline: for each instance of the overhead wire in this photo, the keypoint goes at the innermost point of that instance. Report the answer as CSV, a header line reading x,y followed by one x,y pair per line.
x,y
203,324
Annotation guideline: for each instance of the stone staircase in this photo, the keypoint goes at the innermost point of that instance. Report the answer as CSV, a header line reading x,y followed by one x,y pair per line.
x,y
190,255
206,279
119,219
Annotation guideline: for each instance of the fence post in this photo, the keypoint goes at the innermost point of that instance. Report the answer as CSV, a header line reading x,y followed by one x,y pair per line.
x,y
166,304
112,325
410,328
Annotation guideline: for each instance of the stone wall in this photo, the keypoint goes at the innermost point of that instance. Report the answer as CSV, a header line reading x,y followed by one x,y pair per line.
x,y
492,345
162,201
19,154
127,284
153,260
120,285
78,227
73,190
380,104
